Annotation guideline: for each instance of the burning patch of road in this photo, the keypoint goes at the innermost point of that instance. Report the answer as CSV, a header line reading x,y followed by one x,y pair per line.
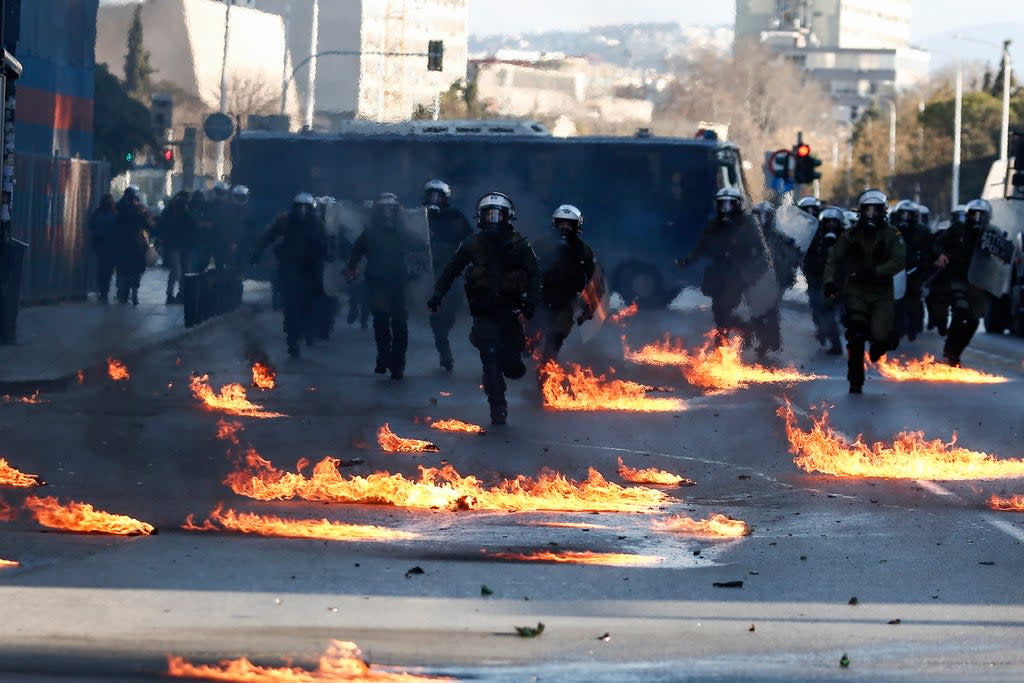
x,y
8,513
629,311
32,400
717,365
83,518
652,476
117,370
342,662
578,389
580,557
9,564
231,399
263,376
270,525
909,456
440,488
715,526
16,479
927,369
392,443
1012,504
457,427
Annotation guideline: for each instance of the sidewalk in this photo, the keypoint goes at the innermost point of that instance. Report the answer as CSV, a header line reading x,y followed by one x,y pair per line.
x,y
55,342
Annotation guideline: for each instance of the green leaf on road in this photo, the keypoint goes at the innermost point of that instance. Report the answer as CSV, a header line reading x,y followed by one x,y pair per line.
x,y
530,631
844,661
484,590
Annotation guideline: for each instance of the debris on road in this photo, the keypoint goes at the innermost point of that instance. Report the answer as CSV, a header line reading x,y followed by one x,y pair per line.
x,y
415,571
844,661
895,621
854,601
530,631
752,628
605,637
484,590
727,584
988,563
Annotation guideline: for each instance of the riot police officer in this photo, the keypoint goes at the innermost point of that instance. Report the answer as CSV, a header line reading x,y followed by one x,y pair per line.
x,y
861,267
300,251
824,311
224,216
811,205
567,264
969,303
732,242
906,217
502,281
385,244
785,259
937,300
448,228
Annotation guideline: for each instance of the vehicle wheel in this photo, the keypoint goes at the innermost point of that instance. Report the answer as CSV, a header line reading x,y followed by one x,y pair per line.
x,y
640,282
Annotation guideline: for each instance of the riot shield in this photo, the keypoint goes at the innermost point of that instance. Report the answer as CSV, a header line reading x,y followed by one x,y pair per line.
x,y
899,285
419,261
797,224
349,219
595,298
761,286
992,262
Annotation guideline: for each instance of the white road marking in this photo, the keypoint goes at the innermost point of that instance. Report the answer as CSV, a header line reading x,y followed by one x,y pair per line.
x,y
1000,524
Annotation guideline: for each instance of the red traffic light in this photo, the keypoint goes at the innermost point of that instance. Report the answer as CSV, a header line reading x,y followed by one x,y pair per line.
x,y
803,151
168,155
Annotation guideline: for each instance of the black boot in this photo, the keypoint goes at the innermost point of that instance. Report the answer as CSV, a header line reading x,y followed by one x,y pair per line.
x,y
855,364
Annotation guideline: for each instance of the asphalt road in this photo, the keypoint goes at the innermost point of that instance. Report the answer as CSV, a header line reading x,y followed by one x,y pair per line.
x,y
929,554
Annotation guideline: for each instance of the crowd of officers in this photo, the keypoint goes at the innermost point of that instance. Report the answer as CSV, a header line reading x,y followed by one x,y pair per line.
x,y
193,230
853,266
506,285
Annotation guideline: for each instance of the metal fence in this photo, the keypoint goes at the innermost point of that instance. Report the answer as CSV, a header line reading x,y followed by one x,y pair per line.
x,y
52,202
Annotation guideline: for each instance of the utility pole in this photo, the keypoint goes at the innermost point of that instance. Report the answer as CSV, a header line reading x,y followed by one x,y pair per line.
x,y
958,124
224,84
1004,138
313,49
284,58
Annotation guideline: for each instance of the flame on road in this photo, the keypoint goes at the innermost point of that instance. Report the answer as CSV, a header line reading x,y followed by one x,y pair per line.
x,y
578,388
442,488
716,365
32,400
581,557
457,426
927,369
82,517
117,370
263,376
342,662
271,525
715,526
16,479
10,564
231,399
7,512
909,456
1012,504
392,443
652,476
626,312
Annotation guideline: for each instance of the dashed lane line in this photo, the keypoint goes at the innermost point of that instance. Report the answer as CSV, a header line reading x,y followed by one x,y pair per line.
x,y
1001,524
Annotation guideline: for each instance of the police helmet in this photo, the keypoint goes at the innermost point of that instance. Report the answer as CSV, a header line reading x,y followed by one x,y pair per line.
x,y
832,221
958,214
811,205
926,215
834,214
240,195
907,212
979,212
495,208
221,188
567,213
872,205
304,199
439,186
728,200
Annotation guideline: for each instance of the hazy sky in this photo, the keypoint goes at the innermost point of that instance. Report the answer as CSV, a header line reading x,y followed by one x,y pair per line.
x,y
501,16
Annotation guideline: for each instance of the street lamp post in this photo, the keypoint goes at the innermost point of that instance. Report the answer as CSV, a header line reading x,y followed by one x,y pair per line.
x,y
892,135
958,124
1004,140
224,84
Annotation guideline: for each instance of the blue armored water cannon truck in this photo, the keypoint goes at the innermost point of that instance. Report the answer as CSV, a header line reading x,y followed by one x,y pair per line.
x,y
646,198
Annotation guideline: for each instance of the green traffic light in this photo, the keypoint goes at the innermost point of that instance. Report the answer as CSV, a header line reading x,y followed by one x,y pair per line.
x,y
129,156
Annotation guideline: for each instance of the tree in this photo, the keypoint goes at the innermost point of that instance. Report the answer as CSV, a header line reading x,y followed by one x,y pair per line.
x,y
137,69
121,125
460,101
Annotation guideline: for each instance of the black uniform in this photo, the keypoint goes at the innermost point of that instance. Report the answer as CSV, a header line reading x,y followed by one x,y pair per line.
x,y
101,234
736,252
969,303
502,279
824,311
785,260
910,309
448,228
177,230
385,244
567,264
301,250
225,219
131,240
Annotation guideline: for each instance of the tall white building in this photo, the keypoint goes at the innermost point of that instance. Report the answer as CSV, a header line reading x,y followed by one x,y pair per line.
x,y
371,86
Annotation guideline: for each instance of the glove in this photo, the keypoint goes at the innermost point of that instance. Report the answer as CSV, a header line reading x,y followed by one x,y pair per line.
x,y
831,291
434,304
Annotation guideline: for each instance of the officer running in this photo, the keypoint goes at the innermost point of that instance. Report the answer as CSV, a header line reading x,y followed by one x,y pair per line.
x,y
502,281
824,311
970,304
567,264
861,268
906,217
937,300
385,244
301,250
732,243
448,228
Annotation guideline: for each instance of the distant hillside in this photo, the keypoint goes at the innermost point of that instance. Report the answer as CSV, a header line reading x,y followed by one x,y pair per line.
x,y
642,46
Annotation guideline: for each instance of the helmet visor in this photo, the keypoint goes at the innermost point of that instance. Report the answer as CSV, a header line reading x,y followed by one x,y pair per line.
x,y
976,217
727,205
813,209
434,198
872,212
492,215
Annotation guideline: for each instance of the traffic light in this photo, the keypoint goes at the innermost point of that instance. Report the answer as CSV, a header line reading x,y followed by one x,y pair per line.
x,y
167,157
435,55
161,112
129,158
805,171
